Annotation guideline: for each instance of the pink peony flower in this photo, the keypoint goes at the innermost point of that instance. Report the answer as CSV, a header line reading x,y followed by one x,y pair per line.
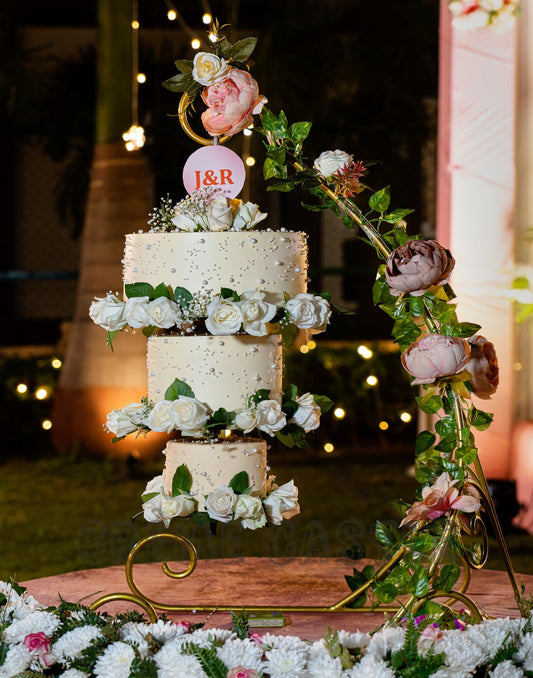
x,y
483,366
39,643
434,356
416,266
241,672
231,102
440,498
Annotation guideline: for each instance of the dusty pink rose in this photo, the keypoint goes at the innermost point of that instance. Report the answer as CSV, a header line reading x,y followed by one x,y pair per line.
x,y
241,672
231,102
429,635
483,366
416,266
40,644
434,356
438,499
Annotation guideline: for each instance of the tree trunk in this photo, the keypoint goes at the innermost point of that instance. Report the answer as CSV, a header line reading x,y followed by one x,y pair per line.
x,y
95,380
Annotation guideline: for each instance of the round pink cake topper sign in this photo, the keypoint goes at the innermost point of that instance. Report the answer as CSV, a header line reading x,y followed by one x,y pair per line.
x,y
215,167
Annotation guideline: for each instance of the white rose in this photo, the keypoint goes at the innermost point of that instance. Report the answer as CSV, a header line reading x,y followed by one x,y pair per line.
x,y
108,313
161,417
247,216
207,68
135,312
152,507
282,503
119,423
223,316
472,21
308,312
176,507
219,504
163,312
332,162
250,511
189,415
219,215
183,219
270,418
256,313
135,412
308,413
246,420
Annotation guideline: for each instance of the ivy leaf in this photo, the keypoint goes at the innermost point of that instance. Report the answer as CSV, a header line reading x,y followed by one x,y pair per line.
x,y
430,404
299,131
396,215
178,388
467,454
239,483
419,582
465,330
445,426
481,420
424,440
386,592
380,200
139,289
182,481
242,49
386,535
449,574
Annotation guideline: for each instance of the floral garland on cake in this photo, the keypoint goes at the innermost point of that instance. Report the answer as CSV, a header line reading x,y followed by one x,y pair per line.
x,y
73,641
472,15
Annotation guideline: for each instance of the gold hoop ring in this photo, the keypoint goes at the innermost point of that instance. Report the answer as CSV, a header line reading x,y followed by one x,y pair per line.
x,y
184,104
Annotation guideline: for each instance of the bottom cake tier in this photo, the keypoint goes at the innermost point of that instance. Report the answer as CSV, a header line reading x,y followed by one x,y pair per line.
x,y
212,465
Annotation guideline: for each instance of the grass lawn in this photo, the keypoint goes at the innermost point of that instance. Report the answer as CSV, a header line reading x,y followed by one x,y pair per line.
x,y
59,515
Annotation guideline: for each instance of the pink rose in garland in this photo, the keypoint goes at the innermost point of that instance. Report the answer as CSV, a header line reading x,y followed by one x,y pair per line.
x,y
241,672
232,102
439,498
435,356
416,266
39,644
483,366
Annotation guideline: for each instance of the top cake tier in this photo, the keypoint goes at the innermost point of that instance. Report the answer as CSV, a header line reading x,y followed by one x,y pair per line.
x,y
273,261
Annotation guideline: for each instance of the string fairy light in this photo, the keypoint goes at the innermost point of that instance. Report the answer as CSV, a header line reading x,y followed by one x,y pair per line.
x,y
134,137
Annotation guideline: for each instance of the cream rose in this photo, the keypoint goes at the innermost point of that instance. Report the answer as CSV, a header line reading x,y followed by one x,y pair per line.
x,y
270,417
220,503
135,412
308,312
282,503
416,266
256,312
189,415
152,506
120,424
250,511
246,420
135,312
329,163
184,219
163,312
207,68
435,356
161,417
247,215
176,507
108,313
223,316
219,215
308,413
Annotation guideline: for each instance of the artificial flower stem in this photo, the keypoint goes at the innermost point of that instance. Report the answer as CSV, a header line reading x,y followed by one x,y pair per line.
x,y
489,504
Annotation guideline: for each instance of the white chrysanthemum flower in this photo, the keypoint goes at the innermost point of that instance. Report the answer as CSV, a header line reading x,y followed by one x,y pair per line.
x,y
492,635
115,662
285,663
19,606
73,673
206,638
462,655
72,643
36,622
18,659
370,666
353,641
506,669
524,656
244,653
451,673
320,663
388,640
171,663
161,631
270,640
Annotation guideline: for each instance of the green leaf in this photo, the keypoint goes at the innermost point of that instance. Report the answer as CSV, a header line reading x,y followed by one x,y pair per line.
x,y
430,404
424,440
224,48
221,418
467,454
285,438
299,131
139,289
419,584
182,297
386,535
379,201
227,293
200,518
179,83
272,170
445,426
396,215
289,332
149,331
109,336
290,392
449,574
482,420
161,291
184,65
465,330
421,543
399,576
240,482
323,402
520,283
178,388
417,306
386,592
182,481
149,495
242,49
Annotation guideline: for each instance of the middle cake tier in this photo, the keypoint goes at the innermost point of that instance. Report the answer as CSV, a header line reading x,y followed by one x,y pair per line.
x,y
222,371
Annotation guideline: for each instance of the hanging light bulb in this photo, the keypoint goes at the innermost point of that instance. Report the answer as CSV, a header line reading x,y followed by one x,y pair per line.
x,y
134,138
207,18
171,15
141,77
195,43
